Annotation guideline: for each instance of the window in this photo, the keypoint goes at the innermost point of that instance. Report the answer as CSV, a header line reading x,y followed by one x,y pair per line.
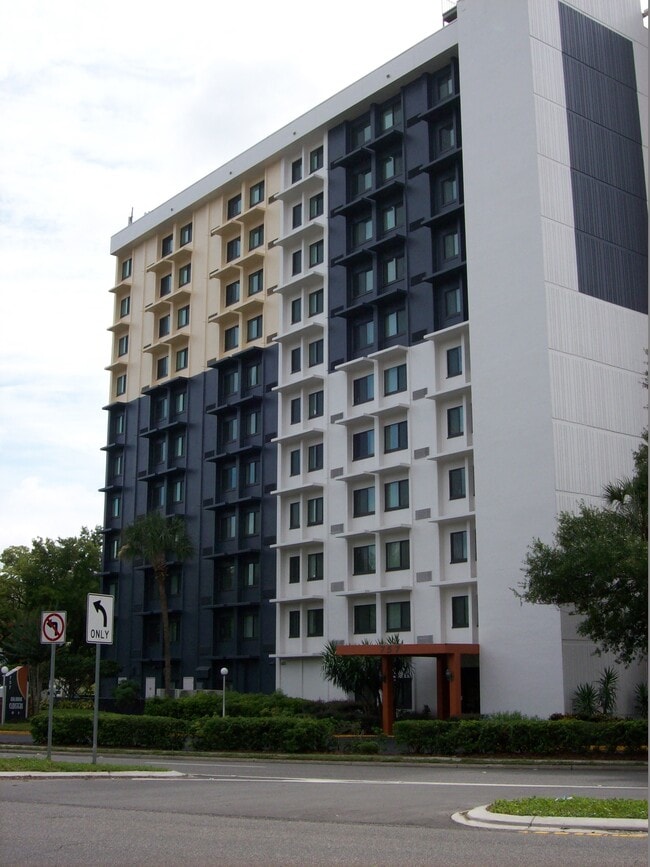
x,y
255,282
251,472
448,190
184,275
162,367
158,495
231,338
451,245
296,171
394,323
183,316
296,216
362,281
361,231
232,293
360,180
458,544
443,85
233,249
178,491
315,302
182,359
118,424
454,361
158,452
397,555
315,457
252,375
256,237
180,400
295,360
453,302
256,196
398,616
230,382
392,268
459,612
252,423
250,573
114,549
230,429
164,326
250,522
117,466
127,268
123,345
294,410
294,624
225,626
392,216
315,404
250,626
225,575
254,328
360,133
315,352
363,559
234,206
363,444
395,436
125,306
396,495
161,409
315,566
296,262
167,245
294,569
316,159
165,285
363,334
316,253
178,445
186,234
365,619
314,511
363,389
316,206
294,516
314,622
229,477
455,422
294,462
457,490
363,502
390,165
228,527
395,379
296,310
390,116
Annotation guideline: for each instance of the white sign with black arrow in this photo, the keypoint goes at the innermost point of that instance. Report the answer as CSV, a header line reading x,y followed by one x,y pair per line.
x,y
99,619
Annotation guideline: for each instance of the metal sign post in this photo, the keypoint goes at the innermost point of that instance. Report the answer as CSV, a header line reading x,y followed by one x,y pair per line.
x,y
53,625
99,630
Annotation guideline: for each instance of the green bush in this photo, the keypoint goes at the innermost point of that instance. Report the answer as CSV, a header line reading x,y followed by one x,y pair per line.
x,y
188,707
70,728
262,734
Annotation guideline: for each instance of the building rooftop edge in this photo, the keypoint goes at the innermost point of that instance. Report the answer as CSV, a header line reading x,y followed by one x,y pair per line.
x,y
385,76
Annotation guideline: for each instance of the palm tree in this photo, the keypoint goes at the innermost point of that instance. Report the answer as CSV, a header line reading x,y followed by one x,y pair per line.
x,y
154,538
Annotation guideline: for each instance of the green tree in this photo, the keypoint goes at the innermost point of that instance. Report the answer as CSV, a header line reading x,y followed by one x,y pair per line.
x,y
51,575
598,565
155,539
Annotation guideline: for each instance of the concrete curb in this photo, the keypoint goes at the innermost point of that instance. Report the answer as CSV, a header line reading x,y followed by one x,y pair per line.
x,y
481,817
88,775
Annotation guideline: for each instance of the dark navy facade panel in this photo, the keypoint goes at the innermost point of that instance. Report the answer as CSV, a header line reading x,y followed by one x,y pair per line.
x,y
607,172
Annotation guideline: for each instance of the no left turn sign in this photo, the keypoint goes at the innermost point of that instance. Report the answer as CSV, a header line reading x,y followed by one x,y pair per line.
x,y
53,627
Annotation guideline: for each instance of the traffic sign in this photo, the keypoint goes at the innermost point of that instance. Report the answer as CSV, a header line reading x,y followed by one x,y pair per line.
x,y
99,619
53,627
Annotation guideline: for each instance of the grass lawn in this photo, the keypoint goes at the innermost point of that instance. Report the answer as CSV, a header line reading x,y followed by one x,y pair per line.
x,y
595,808
37,764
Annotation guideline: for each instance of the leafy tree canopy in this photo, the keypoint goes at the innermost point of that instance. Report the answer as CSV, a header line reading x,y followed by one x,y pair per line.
x,y
598,565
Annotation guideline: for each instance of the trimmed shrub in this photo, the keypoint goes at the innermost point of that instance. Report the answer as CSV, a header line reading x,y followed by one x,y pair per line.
x,y
265,734
70,728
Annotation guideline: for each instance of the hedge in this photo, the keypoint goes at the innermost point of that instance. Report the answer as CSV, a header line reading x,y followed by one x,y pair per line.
x,y
75,728
520,737
263,735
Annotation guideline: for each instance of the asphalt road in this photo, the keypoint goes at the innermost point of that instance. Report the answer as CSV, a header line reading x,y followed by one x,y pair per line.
x,y
234,812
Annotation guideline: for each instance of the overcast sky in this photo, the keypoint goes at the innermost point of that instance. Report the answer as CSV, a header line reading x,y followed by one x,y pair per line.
x,y
107,107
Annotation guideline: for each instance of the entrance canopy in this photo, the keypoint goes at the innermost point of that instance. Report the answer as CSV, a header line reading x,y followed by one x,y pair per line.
x,y
448,659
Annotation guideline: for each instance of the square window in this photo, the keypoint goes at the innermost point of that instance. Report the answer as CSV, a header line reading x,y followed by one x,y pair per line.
x,y
184,275
446,136
395,379
162,367
294,624
167,245
316,159
296,216
360,132
365,619
459,612
123,345
363,444
296,262
232,293
360,180
182,359
316,404
315,566
294,410
395,436
458,544
457,488
315,300
363,335
398,616
315,457
363,389
294,569
183,316
255,282
296,171
454,361
294,516
231,338
164,326
125,306
256,237
314,511
390,165
392,269
316,253
396,495
392,216
256,196
314,622
455,422
165,285
127,268
362,281
361,231
316,206
397,555
186,234
363,502
394,323
234,206
363,560
294,462
390,116
295,359
315,352
296,310
254,328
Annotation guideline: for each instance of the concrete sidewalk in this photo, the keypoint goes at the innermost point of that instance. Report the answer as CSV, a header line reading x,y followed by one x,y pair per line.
x,y
482,817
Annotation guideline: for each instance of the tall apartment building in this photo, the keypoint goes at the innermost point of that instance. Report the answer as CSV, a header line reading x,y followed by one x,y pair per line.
x,y
370,358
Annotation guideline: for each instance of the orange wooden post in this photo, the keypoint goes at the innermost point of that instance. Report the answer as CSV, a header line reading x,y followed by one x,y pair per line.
x,y
387,699
455,706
